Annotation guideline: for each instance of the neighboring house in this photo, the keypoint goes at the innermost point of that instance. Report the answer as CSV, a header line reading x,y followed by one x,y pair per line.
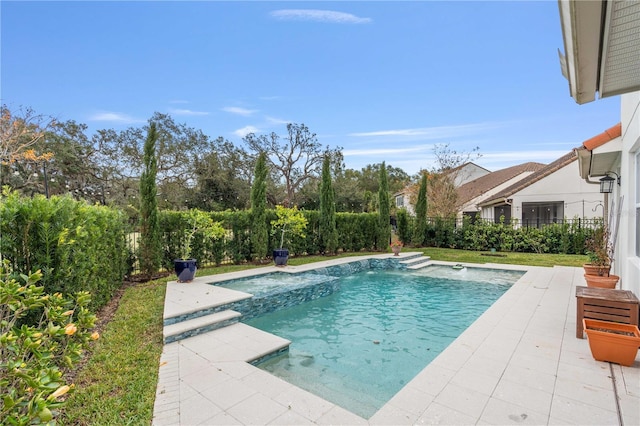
x,y
462,174
466,173
551,194
405,199
606,147
471,194
602,51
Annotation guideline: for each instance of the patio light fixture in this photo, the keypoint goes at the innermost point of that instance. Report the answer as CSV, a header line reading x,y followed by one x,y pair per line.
x,y
606,183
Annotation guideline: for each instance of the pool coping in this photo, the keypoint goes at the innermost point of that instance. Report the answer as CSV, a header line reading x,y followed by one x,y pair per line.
x,y
519,362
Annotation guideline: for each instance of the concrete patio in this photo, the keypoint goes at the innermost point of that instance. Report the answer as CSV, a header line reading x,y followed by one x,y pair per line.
x,y
519,363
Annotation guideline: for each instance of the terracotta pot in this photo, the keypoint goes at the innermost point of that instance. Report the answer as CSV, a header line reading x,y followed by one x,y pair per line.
x,y
612,341
597,281
590,269
396,250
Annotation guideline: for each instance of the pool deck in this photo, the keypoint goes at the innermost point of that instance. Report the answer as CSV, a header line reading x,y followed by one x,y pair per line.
x,y
519,363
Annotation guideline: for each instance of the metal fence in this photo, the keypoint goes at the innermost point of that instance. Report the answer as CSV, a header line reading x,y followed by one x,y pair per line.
x,y
538,223
435,223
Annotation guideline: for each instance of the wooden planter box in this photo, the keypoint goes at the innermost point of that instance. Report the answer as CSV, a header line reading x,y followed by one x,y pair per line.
x,y
612,342
605,305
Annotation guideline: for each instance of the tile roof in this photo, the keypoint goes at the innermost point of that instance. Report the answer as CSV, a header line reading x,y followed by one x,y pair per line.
x,y
477,187
533,178
604,137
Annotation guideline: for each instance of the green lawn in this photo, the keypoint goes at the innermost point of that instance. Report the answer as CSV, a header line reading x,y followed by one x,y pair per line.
x,y
533,259
117,384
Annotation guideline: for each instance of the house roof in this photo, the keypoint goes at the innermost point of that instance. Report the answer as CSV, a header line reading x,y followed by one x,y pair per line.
x,y
477,187
592,163
550,168
467,164
604,137
602,47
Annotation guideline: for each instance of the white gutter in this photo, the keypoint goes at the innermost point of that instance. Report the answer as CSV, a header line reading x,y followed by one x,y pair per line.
x,y
581,28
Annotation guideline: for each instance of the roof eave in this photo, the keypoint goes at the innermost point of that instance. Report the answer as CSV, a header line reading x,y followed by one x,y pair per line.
x,y
582,47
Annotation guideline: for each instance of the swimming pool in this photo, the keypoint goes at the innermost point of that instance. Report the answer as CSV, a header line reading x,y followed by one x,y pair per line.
x,y
358,346
278,282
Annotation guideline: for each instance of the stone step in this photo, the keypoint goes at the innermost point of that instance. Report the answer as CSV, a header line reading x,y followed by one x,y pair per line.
x,y
416,263
199,325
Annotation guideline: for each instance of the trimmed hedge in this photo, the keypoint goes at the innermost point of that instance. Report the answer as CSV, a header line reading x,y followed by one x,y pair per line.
x,y
356,232
78,247
565,238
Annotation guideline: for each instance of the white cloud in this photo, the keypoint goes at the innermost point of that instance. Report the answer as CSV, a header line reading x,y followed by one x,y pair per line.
x,y
240,111
186,112
245,131
517,157
273,120
329,16
439,132
114,117
386,151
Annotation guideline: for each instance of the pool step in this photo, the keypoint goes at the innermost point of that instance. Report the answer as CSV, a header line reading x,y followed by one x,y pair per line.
x,y
416,262
199,325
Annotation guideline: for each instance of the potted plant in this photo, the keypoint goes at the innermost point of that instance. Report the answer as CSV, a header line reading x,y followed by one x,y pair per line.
x,y
396,246
290,221
600,253
612,341
199,222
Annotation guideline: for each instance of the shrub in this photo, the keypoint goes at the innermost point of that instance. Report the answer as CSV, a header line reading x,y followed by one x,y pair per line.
x,y
33,355
404,231
77,246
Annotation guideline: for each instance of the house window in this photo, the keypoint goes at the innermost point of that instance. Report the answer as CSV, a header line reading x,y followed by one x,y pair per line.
x,y
400,201
536,215
638,204
472,216
502,211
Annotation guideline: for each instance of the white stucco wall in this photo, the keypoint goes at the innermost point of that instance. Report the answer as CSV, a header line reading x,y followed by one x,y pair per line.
x,y
627,264
468,173
472,205
580,198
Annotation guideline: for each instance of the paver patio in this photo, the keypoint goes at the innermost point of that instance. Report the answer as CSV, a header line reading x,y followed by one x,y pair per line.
x,y
519,363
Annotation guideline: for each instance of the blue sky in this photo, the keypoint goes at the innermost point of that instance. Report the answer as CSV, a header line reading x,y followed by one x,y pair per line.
x,y
383,80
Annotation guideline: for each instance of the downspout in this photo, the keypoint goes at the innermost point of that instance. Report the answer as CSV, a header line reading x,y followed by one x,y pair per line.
x,y
605,212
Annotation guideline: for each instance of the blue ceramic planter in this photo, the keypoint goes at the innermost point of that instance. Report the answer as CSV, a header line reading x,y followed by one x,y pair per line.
x,y
280,256
185,269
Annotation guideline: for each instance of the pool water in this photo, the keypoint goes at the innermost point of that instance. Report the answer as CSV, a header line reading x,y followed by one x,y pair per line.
x,y
359,346
274,283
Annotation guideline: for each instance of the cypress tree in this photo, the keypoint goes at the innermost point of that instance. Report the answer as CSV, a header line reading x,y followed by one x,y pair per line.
x,y
328,233
419,231
150,249
384,229
404,233
259,234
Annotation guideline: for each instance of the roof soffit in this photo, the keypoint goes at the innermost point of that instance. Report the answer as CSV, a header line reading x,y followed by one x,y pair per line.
x,y
620,67
602,47
581,22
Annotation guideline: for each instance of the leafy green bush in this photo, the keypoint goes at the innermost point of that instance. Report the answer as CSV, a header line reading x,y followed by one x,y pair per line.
x,y
404,230
77,246
33,355
357,231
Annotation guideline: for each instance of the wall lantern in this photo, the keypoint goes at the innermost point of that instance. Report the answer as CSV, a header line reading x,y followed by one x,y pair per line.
x,y
606,185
